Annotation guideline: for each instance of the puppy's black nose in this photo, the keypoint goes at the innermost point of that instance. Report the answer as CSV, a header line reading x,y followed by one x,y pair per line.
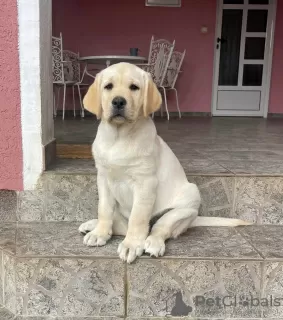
x,y
119,103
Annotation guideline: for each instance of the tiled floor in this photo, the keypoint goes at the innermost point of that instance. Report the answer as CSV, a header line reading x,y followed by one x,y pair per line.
x,y
206,145
53,274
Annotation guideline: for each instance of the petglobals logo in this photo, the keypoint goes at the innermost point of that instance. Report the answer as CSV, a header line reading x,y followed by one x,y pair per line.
x,y
236,301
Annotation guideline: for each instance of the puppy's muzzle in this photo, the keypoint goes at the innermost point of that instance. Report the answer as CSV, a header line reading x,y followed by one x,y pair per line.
x,y
118,106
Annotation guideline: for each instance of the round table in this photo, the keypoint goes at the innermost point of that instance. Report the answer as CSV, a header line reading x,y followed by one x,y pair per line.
x,y
107,60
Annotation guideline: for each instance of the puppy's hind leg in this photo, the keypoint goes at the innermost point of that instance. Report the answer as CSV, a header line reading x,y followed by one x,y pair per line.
x,y
174,222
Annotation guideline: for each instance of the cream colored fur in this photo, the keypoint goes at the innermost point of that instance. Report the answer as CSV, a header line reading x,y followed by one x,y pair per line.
x,y
138,175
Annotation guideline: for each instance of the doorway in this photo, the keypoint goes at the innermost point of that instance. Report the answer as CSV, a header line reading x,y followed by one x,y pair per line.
x,y
243,57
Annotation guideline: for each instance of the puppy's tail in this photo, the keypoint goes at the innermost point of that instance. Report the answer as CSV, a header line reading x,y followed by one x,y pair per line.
x,y
218,222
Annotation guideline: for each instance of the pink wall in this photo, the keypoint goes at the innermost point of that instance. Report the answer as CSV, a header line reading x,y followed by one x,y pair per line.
x,y
276,99
112,27
10,113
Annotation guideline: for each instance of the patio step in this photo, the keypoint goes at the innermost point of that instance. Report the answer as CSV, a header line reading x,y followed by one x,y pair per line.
x,y
73,151
47,272
68,192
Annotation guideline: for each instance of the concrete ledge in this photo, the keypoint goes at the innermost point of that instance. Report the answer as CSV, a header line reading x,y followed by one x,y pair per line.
x,y
68,192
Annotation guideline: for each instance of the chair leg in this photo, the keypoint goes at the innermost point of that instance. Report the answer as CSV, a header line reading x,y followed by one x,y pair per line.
x,y
165,101
74,102
177,102
54,104
58,99
82,107
64,101
161,107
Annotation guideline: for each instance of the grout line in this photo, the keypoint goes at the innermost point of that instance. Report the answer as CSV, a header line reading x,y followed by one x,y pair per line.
x,y
126,292
233,173
250,242
262,269
16,238
18,205
2,274
235,196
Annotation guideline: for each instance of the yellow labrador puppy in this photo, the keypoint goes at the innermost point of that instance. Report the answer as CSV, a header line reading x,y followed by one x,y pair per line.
x,y
144,194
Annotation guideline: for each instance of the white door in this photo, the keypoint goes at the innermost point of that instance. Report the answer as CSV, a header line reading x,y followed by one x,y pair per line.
x,y
244,44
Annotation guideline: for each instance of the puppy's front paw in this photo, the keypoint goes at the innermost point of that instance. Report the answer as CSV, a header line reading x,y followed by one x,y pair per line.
x,y
87,226
97,238
155,246
130,249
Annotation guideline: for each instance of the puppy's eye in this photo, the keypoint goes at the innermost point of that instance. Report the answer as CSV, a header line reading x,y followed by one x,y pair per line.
x,y
109,86
133,87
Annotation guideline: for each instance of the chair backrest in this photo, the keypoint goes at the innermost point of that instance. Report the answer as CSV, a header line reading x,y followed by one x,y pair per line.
x,y
160,54
71,66
173,69
57,59
150,47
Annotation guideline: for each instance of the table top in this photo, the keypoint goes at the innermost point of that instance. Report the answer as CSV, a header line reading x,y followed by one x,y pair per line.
x,y
111,59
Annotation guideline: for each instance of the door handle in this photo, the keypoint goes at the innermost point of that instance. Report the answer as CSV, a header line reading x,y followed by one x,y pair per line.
x,y
221,40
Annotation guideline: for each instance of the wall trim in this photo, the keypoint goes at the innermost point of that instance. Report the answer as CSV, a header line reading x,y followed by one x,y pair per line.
x,y
28,19
35,27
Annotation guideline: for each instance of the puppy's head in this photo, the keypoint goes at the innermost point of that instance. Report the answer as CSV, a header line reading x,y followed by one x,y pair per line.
x,y
122,93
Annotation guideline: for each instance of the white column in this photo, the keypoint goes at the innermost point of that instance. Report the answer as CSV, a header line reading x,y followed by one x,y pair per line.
x,y
35,27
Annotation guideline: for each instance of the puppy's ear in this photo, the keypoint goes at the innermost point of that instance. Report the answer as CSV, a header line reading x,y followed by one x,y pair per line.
x,y
92,99
152,97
